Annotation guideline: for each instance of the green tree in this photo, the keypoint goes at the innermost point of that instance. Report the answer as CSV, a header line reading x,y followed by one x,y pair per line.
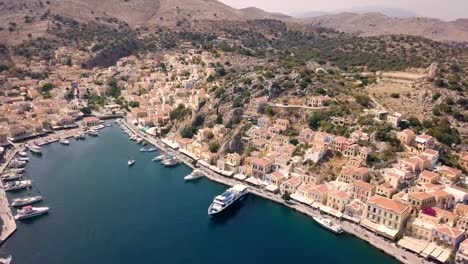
x,y
214,146
286,196
133,104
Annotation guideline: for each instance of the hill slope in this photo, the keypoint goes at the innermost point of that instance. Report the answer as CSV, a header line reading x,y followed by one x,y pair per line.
x,y
373,24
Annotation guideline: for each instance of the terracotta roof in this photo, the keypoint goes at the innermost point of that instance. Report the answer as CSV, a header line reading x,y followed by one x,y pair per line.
x,y
408,132
431,152
420,195
386,185
461,209
428,175
449,170
277,175
448,231
388,204
294,181
261,161
363,185
322,188
465,158
339,193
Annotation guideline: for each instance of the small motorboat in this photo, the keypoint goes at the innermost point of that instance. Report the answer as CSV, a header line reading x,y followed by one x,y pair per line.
x,y
6,260
160,157
64,142
23,154
151,150
131,162
142,150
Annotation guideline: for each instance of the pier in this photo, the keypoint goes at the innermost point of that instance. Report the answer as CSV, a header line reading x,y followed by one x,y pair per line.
x,y
8,222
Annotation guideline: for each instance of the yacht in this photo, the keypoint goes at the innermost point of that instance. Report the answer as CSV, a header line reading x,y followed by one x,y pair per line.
x,y
79,137
23,159
17,164
29,211
64,142
172,161
142,150
11,176
131,162
18,170
93,133
17,185
194,175
23,154
26,200
160,157
229,197
151,150
35,149
6,260
327,223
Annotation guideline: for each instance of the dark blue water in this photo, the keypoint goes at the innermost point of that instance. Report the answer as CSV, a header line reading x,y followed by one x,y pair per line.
x,y
104,212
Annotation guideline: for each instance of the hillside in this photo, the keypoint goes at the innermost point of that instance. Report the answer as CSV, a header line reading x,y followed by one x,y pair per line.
x,y
374,24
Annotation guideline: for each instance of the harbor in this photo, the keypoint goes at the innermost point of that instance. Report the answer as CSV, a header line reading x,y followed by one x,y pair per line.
x,y
88,218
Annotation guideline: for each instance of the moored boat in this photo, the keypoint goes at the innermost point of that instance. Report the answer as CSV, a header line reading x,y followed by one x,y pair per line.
x,y
29,211
23,154
151,149
6,260
195,174
23,159
17,164
160,157
64,141
131,162
17,185
328,224
228,198
35,149
142,150
172,161
93,133
26,200
11,176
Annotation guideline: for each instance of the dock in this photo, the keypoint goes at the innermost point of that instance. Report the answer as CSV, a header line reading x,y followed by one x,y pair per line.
x,y
9,224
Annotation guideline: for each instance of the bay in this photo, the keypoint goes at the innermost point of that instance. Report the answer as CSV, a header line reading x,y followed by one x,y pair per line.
x,y
102,211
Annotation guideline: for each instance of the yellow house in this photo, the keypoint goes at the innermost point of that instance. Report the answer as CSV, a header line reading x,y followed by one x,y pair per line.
x,y
385,216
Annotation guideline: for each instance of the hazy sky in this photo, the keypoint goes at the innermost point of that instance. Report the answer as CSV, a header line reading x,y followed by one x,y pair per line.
x,y
443,9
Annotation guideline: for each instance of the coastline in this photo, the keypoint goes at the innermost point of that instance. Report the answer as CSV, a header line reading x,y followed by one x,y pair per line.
x,y
6,214
352,229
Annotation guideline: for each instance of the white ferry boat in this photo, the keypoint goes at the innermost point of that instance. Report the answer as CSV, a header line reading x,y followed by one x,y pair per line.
x,y
35,149
228,198
17,185
64,142
328,224
195,174
26,200
29,211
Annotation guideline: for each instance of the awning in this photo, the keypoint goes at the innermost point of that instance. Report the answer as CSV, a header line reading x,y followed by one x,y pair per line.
x,y
302,199
240,177
272,188
331,211
444,257
203,163
428,250
412,244
383,230
188,153
352,219
254,181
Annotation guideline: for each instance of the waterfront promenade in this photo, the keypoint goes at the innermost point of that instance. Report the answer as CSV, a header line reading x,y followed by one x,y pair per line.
x,y
8,222
356,230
